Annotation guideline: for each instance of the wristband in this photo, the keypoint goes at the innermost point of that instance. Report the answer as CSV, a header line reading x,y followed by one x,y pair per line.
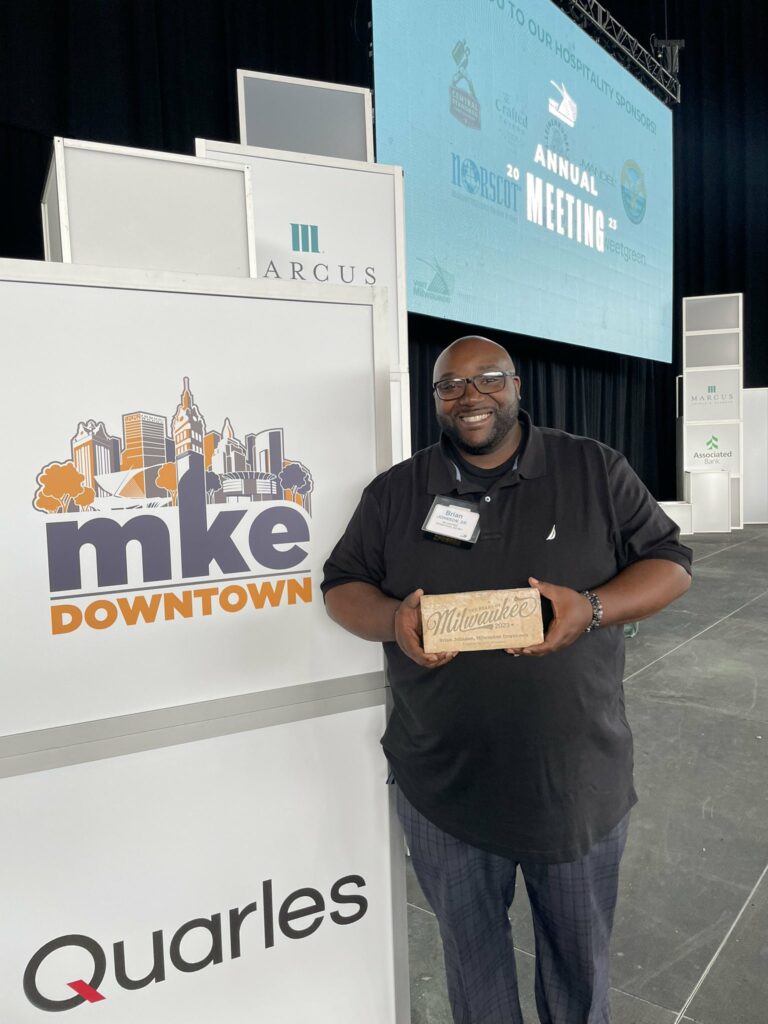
x,y
597,610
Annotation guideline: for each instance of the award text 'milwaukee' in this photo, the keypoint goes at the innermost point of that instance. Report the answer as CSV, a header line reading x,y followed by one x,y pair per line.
x,y
459,620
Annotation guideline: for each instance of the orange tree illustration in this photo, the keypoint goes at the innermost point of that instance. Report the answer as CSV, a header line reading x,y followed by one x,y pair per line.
x,y
167,479
60,487
296,481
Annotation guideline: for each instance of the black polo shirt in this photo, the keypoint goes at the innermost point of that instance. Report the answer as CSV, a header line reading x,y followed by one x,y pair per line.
x,y
530,758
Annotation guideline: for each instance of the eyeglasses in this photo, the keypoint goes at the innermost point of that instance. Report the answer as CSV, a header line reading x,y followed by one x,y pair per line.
x,y
485,383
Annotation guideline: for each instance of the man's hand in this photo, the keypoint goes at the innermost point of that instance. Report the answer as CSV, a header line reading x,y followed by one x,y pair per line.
x,y
572,615
408,633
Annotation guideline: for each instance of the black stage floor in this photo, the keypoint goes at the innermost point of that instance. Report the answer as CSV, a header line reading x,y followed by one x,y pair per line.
x,y
691,936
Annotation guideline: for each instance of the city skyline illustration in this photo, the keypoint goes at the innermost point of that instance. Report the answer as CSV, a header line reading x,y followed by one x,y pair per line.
x,y
143,467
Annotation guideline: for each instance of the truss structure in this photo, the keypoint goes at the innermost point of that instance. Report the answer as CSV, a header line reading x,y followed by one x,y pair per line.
x,y
601,25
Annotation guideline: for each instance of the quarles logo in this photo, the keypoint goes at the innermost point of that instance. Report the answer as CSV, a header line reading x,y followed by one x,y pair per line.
x,y
110,967
140,525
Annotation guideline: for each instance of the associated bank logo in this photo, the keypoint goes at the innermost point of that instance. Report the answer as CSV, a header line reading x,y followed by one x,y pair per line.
x,y
564,106
711,454
45,984
633,194
464,106
158,488
439,284
304,238
484,183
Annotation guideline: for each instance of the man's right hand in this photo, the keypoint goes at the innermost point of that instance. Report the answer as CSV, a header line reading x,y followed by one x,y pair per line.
x,y
408,633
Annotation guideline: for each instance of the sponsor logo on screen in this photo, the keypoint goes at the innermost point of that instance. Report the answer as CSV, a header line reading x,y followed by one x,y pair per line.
x,y
556,138
130,516
484,183
564,106
633,192
305,240
114,965
464,104
514,123
438,285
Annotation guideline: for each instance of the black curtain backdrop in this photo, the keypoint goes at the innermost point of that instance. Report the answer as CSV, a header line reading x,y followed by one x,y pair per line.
x,y
157,73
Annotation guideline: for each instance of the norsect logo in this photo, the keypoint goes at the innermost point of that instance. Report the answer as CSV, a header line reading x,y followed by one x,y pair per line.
x,y
153,492
300,915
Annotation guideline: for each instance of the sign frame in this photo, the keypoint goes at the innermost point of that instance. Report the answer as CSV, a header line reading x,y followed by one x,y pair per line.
x,y
55,205
43,750
310,83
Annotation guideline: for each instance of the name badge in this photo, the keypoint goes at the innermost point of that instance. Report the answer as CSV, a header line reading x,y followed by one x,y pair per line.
x,y
453,521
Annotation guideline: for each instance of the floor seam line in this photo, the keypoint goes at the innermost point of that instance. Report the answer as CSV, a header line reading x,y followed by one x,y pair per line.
x,y
720,948
695,636
415,906
728,547
640,999
517,949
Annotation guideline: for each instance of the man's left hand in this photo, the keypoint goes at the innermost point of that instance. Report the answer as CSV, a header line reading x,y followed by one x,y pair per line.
x,y
572,615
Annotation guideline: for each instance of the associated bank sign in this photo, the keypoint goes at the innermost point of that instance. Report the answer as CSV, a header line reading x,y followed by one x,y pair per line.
x,y
145,525
308,262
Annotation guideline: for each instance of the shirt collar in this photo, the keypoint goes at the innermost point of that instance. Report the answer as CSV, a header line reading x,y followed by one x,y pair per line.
x,y
445,474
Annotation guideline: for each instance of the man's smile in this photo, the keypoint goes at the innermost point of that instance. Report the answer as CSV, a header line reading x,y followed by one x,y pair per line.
x,y
472,418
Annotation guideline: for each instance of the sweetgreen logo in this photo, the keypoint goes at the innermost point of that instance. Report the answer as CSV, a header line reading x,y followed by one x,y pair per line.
x,y
712,443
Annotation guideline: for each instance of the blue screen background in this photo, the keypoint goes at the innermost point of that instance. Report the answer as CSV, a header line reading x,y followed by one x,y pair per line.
x,y
464,96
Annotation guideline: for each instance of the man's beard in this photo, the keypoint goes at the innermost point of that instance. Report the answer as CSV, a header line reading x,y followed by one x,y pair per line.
x,y
504,422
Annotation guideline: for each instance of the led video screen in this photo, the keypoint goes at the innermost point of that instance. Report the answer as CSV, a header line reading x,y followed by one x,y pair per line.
x,y
538,173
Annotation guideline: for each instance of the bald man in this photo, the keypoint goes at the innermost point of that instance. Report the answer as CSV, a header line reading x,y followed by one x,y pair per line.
x,y
519,758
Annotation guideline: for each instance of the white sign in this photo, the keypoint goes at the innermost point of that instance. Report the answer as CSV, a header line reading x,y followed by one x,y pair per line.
x,y
714,446
329,221
243,878
179,467
326,221
712,395
115,206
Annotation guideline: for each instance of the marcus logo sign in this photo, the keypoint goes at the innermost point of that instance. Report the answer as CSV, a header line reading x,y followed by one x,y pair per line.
x,y
314,265
131,515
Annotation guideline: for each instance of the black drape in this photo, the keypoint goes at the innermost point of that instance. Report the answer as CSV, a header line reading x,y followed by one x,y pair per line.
x,y
628,403
156,73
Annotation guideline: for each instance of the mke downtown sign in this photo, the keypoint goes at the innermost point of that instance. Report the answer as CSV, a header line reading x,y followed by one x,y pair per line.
x,y
150,526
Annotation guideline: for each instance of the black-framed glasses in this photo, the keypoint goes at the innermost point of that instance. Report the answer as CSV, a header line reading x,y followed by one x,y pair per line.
x,y
485,383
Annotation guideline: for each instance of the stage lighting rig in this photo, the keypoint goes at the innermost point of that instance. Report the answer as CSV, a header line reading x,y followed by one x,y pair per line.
x,y
668,51
647,67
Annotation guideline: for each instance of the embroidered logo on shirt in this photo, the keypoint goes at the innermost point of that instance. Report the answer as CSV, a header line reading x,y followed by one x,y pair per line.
x,y
552,532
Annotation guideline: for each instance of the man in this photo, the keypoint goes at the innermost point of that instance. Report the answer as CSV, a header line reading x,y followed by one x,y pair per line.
x,y
524,757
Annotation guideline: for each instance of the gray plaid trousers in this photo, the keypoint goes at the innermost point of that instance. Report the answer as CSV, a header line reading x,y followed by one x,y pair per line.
x,y
572,904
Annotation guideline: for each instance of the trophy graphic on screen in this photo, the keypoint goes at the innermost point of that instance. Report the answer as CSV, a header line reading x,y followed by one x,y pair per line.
x,y
565,108
464,104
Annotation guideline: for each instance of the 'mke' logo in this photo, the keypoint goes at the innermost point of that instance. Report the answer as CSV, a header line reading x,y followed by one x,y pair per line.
x,y
304,238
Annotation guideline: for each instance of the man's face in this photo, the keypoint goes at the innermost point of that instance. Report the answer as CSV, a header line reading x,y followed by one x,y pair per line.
x,y
477,424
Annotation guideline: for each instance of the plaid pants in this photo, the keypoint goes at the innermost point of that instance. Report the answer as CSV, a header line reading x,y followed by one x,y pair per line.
x,y
572,905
